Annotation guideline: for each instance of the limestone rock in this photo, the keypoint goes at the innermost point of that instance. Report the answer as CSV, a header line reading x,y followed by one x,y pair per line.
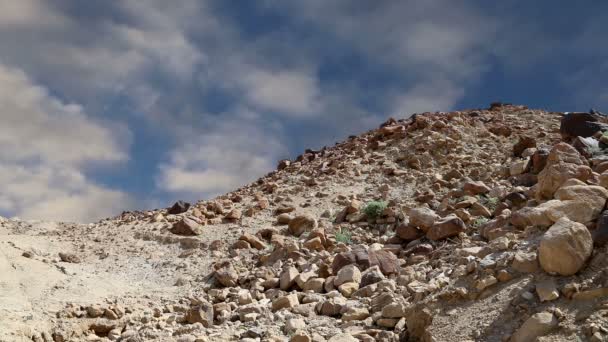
x,y
537,325
348,274
302,223
285,302
449,226
565,247
422,218
187,227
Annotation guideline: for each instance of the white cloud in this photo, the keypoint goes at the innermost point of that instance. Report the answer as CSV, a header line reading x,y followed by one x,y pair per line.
x,y
227,156
290,93
45,145
437,95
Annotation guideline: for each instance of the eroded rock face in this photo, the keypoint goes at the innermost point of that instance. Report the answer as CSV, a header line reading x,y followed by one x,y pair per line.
x,y
565,247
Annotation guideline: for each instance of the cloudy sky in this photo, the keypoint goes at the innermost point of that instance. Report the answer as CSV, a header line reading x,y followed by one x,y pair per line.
x,y
119,105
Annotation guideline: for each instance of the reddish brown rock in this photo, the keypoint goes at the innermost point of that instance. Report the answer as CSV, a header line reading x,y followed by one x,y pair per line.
x,y
187,227
449,226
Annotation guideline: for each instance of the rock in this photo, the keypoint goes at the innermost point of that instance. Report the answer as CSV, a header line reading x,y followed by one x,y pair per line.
x,y
227,276
422,218
347,289
539,160
394,310
547,290
283,163
69,257
475,188
201,313
581,203
563,163
371,276
302,223
408,232
187,227
355,314
300,336
600,233
284,218
525,262
537,325
314,284
314,244
580,125
348,274
253,240
178,208
485,282
446,227
332,307
343,338
285,302
523,144
293,324
234,215
518,167
532,216
565,247
288,278
386,261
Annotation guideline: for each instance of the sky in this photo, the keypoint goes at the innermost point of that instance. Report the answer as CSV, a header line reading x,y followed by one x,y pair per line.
x,y
108,106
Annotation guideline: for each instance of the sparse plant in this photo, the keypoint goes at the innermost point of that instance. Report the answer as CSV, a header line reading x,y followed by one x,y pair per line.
x,y
374,209
344,236
480,222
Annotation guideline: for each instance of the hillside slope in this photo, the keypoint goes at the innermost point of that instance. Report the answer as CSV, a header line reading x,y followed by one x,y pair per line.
x,y
473,225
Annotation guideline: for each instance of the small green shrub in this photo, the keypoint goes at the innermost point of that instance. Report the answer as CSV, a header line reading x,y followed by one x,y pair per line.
x,y
344,236
480,222
374,209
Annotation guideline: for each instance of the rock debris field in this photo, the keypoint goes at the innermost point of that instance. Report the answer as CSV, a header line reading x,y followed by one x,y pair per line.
x,y
476,225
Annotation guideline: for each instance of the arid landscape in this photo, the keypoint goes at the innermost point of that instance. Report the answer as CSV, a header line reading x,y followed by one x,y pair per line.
x,y
474,225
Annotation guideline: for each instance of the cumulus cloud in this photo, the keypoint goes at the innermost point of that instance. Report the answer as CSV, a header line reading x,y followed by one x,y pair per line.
x,y
230,155
45,146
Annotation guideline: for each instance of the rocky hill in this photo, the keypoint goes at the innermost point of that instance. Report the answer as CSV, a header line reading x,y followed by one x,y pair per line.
x,y
477,225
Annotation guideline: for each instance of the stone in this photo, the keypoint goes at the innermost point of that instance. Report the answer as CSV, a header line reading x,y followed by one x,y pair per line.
x,y
565,247
288,278
234,215
227,276
523,144
475,188
446,227
581,203
518,167
532,216
285,302
394,310
534,327
547,290
300,336
69,257
187,227
386,261
332,307
348,274
284,218
314,285
178,208
314,244
485,282
525,262
355,314
293,324
600,233
422,218
343,338
408,232
580,125
371,276
302,223
538,161
347,289
201,313
563,163
253,240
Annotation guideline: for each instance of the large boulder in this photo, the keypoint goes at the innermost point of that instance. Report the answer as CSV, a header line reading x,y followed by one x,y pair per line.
x,y
563,163
565,247
579,202
580,125
178,208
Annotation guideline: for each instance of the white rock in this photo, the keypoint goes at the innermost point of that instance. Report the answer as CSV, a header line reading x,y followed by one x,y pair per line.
x,y
565,247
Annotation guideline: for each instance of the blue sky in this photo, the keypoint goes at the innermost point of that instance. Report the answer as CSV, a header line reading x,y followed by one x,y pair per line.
x,y
123,105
